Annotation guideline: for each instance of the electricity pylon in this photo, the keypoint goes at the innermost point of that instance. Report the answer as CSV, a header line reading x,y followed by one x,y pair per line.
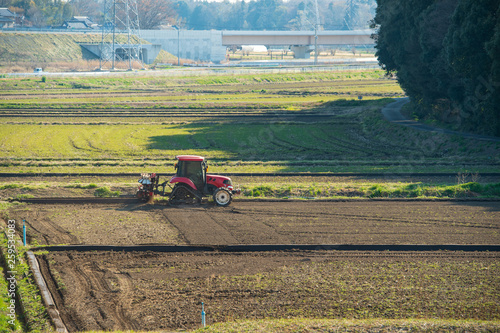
x,y
120,34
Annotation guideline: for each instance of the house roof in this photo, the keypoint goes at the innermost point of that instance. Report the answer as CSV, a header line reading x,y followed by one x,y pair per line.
x,y
79,22
75,25
5,12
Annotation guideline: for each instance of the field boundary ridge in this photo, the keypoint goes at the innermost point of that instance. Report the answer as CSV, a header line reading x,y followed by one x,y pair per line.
x,y
270,248
50,305
134,200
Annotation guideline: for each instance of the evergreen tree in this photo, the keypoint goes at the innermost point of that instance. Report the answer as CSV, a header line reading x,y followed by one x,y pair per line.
x,y
474,88
445,54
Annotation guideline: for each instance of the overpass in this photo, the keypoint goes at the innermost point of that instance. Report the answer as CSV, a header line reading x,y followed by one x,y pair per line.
x,y
300,42
285,38
211,45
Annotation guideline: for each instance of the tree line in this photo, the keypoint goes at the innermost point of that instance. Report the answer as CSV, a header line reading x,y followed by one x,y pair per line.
x,y
204,15
445,54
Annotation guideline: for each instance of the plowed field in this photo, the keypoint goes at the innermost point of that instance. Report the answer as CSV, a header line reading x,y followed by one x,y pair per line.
x,y
163,291
350,222
159,291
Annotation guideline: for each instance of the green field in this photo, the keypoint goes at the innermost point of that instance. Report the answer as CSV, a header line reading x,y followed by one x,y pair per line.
x,y
128,124
359,142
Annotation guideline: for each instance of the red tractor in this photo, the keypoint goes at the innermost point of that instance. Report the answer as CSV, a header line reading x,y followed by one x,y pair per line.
x,y
192,183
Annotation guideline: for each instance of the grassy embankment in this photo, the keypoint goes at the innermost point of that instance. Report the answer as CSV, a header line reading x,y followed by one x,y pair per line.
x,y
30,310
22,52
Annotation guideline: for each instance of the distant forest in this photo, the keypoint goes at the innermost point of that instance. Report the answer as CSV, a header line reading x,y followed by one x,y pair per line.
x,y
275,14
204,15
446,55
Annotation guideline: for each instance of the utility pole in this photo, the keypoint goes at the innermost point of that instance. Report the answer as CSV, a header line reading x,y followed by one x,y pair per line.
x,y
178,43
316,27
315,44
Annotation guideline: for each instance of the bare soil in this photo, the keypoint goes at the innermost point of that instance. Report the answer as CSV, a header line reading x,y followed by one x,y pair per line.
x,y
164,291
296,222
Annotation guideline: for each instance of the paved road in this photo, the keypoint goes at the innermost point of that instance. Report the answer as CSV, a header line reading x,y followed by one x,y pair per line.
x,y
392,112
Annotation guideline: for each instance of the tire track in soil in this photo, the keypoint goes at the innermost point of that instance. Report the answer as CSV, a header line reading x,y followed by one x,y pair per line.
x,y
81,289
51,232
83,312
84,299
104,300
57,295
125,299
122,291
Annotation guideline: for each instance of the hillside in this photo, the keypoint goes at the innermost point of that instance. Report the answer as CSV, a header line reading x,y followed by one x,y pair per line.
x,y
21,52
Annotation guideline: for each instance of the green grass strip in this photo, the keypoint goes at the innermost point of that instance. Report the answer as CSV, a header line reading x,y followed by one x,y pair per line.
x,y
34,314
8,321
386,190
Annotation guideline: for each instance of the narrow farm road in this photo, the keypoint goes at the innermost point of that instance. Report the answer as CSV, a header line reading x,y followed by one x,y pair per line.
x,y
392,112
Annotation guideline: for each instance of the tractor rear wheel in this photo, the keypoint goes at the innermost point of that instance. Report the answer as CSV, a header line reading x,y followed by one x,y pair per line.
x,y
222,197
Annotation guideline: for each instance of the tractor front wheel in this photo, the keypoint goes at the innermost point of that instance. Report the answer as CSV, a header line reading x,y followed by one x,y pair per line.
x,y
222,197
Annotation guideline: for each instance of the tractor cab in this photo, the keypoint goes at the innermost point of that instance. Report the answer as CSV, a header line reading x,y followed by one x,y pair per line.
x,y
191,170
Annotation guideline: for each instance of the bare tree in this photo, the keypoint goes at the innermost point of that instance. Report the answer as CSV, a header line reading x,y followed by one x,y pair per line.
x,y
154,13
90,8
36,17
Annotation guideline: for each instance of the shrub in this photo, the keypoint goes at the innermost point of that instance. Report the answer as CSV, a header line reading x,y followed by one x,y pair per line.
x,y
377,191
104,192
258,191
24,196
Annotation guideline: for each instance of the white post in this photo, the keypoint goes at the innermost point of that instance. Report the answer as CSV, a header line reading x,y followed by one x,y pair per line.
x,y
203,314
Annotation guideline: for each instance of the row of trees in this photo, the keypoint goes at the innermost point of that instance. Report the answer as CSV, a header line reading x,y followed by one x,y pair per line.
x,y
203,15
446,57
42,13
275,14
39,12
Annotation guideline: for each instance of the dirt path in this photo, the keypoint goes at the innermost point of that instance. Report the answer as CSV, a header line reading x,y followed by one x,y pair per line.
x,y
392,112
308,222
